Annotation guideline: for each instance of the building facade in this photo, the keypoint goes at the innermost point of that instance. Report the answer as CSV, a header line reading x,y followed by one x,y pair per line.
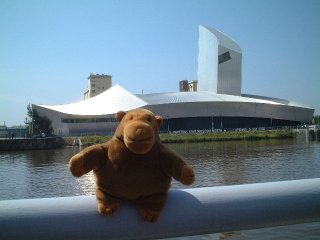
x,y
184,86
188,86
213,103
97,83
219,63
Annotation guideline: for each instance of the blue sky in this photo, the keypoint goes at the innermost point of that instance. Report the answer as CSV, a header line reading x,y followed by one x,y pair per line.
x,y
49,48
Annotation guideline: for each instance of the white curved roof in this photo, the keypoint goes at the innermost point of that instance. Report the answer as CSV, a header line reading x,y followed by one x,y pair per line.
x,y
203,96
110,101
118,99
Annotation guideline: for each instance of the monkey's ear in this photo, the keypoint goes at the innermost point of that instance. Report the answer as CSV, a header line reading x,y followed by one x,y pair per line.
x,y
120,115
159,121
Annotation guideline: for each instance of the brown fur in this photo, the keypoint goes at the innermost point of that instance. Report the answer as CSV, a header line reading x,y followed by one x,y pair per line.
x,y
133,166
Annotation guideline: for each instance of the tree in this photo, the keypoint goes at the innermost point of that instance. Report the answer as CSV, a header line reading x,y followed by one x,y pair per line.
x,y
39,124
316,119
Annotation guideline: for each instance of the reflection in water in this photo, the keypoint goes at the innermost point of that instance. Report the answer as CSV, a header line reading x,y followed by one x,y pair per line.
x,y
238,162
36,174
87,184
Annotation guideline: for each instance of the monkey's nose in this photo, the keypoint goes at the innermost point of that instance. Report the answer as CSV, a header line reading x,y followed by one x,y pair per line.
x,y
139,131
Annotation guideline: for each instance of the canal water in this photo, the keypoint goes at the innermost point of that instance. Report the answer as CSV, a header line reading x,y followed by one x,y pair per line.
x,y
44,173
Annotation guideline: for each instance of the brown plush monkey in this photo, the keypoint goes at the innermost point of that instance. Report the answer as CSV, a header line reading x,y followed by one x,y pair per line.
x,y
133,166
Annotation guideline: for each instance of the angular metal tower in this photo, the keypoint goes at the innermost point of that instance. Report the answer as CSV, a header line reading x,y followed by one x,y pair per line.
x,y
219,63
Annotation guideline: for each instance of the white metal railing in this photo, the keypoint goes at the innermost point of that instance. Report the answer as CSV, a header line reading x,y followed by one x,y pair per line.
x,y
188,212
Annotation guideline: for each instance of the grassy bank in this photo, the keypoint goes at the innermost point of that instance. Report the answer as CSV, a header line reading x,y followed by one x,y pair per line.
x,y
86,140
197,137
226,136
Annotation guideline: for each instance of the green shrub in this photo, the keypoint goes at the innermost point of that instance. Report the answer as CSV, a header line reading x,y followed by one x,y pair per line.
x,y
194,137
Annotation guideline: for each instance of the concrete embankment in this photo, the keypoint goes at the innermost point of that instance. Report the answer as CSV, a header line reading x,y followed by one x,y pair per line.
x,y
30,143
310,133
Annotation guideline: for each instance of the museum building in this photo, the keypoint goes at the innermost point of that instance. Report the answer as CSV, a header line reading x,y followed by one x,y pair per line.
x,y
213,103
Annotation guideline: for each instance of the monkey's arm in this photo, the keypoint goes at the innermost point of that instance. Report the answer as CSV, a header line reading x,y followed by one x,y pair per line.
x,y
173,165
91,158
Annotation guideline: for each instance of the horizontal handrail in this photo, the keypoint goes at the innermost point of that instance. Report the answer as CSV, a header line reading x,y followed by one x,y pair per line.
x,y
188,212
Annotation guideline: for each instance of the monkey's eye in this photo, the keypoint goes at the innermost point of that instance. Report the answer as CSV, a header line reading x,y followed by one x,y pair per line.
x,y
130,117
149,119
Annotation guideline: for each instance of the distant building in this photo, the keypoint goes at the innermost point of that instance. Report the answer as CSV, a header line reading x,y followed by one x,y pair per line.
x,y
12,132
193,86
212,103
97,84
188,86
3,131
183,86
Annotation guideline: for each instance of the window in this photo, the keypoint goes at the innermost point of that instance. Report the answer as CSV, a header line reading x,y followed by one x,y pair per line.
x,y
88,120
224,57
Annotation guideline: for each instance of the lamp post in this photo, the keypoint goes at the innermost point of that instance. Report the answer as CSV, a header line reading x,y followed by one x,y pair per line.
x,y
212,124
26,122
31,122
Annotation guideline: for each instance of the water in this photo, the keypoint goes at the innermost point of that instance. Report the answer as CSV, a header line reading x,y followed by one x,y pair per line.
x,y
41,174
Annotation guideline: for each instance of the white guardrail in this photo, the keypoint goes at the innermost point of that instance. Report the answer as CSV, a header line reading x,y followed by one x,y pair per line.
x,y
188,212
